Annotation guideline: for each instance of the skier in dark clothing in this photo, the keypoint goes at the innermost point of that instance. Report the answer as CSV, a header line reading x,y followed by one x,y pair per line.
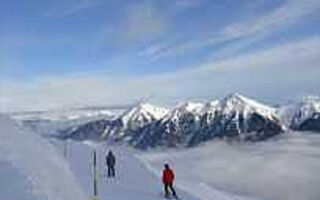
x,y
167,179
111,161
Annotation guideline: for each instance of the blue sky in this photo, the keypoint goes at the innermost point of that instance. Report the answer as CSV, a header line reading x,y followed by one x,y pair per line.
x,y
62,53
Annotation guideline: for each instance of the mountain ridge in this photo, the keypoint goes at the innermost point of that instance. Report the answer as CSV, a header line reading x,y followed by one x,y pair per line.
x,y
233,117
188,124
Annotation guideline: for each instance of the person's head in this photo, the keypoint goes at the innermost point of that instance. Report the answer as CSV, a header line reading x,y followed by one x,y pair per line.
x,y
110,152
166,166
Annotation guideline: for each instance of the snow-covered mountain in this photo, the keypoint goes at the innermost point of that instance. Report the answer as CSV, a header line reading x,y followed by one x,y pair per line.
x,y
122,127
234,116
304,116
141,115
236,103
173,129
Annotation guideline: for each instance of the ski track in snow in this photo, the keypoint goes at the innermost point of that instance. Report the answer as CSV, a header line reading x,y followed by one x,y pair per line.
x,y
133,179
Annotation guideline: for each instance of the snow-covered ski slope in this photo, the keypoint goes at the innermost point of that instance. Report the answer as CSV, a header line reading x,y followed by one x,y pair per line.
x,y
135,177
133,180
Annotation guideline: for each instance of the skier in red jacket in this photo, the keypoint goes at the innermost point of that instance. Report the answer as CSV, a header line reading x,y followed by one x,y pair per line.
x,y
167,179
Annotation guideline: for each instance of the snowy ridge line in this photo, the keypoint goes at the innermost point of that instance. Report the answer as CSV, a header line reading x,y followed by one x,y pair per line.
x,y
160,112
200,190
142,114
146,126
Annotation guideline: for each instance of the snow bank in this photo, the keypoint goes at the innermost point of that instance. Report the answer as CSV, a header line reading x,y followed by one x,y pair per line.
x,y
36,169
286,168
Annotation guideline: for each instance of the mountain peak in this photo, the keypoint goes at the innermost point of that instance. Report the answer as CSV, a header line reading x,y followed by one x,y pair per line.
x,y
236,97
184,108
145,106
190,106
144,111
241,103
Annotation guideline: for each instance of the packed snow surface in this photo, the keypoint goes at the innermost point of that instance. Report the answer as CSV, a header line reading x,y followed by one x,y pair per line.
x,y
132,181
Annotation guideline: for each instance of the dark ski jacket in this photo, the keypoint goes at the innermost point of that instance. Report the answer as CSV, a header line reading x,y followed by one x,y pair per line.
x,y
167,176
110,159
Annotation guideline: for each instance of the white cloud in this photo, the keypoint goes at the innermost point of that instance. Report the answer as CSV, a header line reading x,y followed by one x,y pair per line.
x,y
72,9
256,27
142,22
281,73
289,13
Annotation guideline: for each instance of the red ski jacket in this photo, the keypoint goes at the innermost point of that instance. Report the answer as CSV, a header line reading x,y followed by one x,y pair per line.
x,y
167,176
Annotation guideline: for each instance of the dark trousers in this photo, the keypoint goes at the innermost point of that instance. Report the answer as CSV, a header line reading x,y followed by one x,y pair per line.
x,y
111,171
166,189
